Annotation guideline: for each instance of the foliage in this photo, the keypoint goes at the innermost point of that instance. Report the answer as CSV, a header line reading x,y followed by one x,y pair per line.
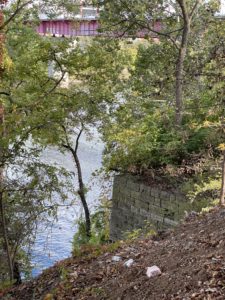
x,y
203,190
141,132
44,109
32,190
99,229
148,230
29,188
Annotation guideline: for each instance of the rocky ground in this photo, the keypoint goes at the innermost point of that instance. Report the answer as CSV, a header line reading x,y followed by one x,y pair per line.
x,y
191,259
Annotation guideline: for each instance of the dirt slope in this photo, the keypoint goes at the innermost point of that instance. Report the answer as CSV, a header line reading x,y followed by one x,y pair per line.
x,y
191,258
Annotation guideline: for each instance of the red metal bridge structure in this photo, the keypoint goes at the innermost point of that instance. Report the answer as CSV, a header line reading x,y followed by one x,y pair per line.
x,y
69,28
84,24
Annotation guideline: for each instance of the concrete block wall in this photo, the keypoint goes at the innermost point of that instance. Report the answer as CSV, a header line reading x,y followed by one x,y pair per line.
x,y
134,203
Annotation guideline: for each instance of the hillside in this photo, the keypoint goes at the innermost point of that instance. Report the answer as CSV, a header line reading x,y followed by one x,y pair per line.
x,y
191,258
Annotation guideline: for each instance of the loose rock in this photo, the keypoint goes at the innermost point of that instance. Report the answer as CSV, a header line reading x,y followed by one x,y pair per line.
x,y
116,258
129,263
153,271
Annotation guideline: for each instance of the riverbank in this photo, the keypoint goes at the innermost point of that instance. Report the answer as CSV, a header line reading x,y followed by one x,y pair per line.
x,y
191,259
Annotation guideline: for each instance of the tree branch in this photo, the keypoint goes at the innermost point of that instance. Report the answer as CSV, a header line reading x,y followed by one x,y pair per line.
x,y
16,12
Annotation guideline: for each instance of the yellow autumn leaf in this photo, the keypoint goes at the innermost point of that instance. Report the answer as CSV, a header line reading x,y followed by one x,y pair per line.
x,y
221,147
206,124
49,297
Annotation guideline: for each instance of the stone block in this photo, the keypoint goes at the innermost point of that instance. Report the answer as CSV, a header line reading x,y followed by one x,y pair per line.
x,y
129,216
155,210
130,201
146,196
116,191
164,202
142,187
136,187
119,197
116,204
164,195
157,201
174,205
135,209
144,205
144,213
157,218
155,192
172,197
119,211
154,201
120,180
137,219
132,186
123,205
170,222
126,193
170,214
137,203
116,220
135,195
180,198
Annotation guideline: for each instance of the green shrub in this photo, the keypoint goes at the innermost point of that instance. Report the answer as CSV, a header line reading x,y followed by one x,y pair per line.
x,y
99,229
147,231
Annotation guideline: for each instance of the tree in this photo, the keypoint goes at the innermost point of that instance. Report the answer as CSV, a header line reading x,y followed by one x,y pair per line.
x,y
171,21
2,210
24,87
28,199
38,106
94,68
81,191
222,195
141,136
214,72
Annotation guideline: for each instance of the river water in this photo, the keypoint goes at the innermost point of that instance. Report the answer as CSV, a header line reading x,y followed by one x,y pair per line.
x,y
53,244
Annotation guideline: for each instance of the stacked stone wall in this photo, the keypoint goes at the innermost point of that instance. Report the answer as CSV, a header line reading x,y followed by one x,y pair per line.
x,y
134,203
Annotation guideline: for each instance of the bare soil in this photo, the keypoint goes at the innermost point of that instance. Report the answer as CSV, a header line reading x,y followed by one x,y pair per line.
x,y
191,258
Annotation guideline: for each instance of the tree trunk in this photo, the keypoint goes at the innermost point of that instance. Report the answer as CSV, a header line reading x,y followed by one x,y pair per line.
x,y
16,273
5,235
81,193
180,63
222,194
